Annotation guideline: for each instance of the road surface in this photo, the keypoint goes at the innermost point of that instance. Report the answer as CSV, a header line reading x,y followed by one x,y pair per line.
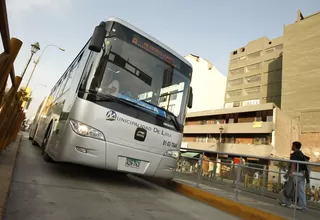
x,y
43,191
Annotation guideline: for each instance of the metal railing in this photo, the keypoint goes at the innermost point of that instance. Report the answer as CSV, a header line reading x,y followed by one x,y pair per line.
x,y
255,178
11,114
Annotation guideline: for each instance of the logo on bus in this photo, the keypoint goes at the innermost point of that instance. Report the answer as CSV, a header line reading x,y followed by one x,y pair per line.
x,y
111,115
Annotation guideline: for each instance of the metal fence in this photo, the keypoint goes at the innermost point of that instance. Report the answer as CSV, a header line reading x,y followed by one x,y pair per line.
x,y
266,179
11,114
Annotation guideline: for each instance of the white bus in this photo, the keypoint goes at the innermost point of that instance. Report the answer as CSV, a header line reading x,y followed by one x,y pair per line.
x,y
120,105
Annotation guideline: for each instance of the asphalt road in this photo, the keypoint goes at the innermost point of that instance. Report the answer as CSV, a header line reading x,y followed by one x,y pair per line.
x,y
43,191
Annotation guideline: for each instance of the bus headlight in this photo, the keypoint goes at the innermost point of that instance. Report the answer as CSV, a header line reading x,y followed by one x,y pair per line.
x,y
85,130
172,153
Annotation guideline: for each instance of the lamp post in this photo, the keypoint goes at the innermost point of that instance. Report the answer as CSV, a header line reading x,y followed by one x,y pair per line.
x,y
221,130
38,60
34,49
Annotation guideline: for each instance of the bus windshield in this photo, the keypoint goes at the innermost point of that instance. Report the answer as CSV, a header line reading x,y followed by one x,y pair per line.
x,y
133,68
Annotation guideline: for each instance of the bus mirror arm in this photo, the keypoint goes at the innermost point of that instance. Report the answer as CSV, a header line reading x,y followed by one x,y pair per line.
x,y
190,101
98,37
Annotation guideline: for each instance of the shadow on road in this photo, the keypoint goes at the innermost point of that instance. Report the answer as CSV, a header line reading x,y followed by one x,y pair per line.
x,y
83,173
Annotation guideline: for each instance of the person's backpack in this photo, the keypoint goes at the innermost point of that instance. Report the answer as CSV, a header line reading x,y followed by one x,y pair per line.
x,y
306,172
304,167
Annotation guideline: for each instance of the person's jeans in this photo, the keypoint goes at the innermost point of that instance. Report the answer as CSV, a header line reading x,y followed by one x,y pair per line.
x,y
301,191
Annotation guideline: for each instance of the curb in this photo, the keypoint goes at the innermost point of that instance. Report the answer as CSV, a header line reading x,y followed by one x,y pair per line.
x,y
7,165
230,206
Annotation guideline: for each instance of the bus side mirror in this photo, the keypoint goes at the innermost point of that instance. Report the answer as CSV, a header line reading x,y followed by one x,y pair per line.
x,y
190,101
98,37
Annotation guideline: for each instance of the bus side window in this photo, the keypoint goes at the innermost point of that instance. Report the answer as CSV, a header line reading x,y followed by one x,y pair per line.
x,y
63,84
56,91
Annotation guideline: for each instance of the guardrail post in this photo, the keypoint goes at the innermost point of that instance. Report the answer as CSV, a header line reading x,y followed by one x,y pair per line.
x,y
264,180
296,180
199,169
215,168
239,166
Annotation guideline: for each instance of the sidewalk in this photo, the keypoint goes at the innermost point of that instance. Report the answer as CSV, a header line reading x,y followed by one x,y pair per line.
x,y
7,163
247,198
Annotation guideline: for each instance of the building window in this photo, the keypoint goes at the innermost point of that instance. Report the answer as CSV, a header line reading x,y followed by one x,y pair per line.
x,y
228,105
163,98
237,71
173,96
267,62
252,90
253,79
279,47
243,58
270,50
234,93
269,118
235,82
276,48
236,104
251,102
254,67
234,61
254,55
262,140
235,52
171,108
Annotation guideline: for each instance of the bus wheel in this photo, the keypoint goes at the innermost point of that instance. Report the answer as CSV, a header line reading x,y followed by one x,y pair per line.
x,y
45,155
47,158
34,143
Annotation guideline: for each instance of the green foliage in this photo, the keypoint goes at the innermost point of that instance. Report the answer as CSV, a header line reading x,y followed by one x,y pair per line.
x,y
282,165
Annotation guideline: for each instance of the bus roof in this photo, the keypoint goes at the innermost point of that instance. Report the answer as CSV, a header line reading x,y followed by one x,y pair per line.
x,y
149,37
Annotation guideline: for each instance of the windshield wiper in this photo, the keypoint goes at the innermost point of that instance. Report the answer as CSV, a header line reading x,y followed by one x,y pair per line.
x,y
110,98
171,116
107,97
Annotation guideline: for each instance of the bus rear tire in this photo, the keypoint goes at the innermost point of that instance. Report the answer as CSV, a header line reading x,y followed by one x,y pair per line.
x,y
47,158
34,143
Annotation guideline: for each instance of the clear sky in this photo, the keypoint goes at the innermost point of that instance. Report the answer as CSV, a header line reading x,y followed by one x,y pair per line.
x,y
208,28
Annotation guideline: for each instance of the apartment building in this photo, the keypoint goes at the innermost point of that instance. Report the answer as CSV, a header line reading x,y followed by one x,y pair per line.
x,y
209,85
255,73
301,79
258,130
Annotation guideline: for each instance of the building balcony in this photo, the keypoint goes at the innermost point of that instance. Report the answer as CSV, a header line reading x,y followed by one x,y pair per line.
x,y
234,128
247,149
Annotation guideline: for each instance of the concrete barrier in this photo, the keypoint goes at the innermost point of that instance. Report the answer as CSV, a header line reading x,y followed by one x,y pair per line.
x,y
233,207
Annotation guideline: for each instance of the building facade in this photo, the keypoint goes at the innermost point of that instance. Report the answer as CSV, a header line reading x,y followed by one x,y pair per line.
x,y
259,130
255,74
209,85
301,79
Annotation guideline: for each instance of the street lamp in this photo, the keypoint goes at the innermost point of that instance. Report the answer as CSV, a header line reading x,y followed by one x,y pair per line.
x,y
38,60
34,49
221,130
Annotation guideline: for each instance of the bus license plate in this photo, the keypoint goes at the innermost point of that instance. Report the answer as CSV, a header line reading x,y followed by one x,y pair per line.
x,y
133,163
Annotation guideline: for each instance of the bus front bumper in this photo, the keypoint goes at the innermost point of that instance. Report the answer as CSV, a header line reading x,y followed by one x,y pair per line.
x,y
107,155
